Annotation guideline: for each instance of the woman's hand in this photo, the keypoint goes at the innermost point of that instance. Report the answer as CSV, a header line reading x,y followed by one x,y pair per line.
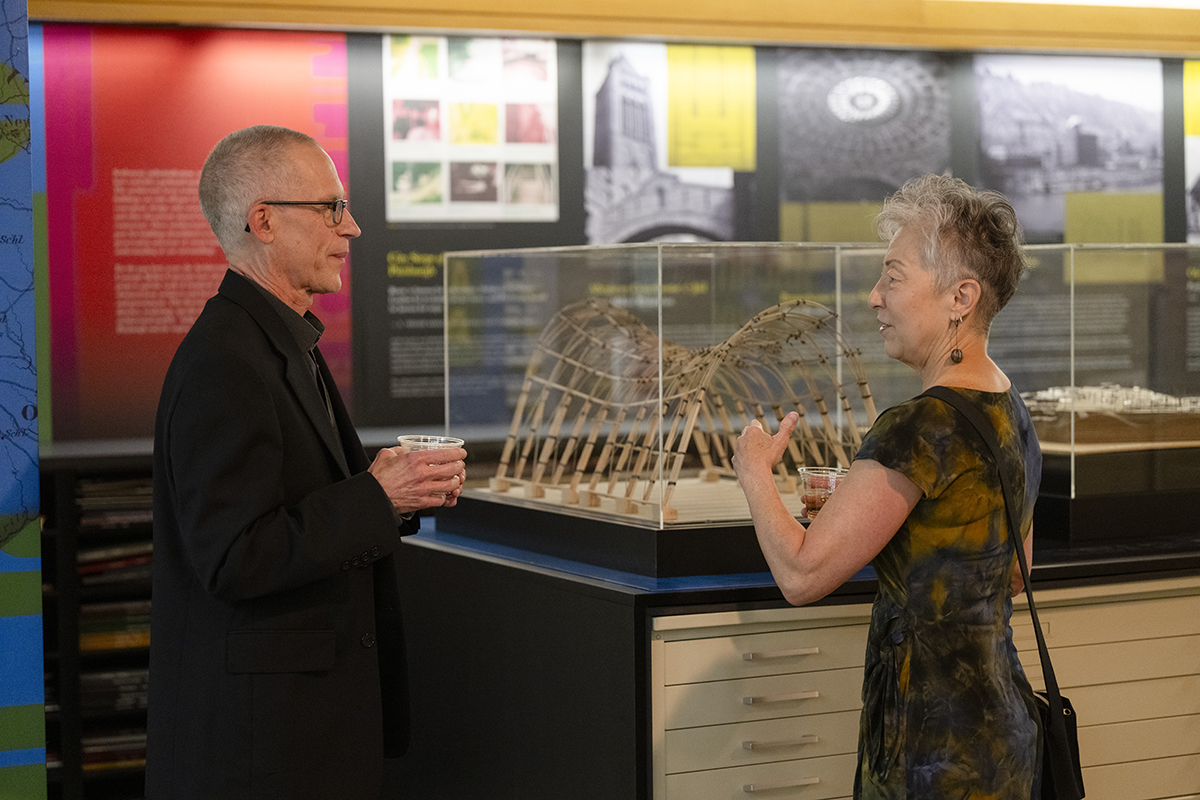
x,y
756,452
869,506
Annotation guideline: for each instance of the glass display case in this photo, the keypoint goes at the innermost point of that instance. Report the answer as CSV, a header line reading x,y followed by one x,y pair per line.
x,y
617,377
1104,342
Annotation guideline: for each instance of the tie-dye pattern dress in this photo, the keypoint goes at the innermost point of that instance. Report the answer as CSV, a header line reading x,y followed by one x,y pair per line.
x,y
947,709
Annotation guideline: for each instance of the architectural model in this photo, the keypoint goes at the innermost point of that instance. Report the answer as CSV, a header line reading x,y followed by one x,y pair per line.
x,y
1113,414
609,414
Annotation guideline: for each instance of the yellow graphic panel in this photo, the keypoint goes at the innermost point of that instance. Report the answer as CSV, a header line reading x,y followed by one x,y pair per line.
x,y
474,123
828,222
1191,98
1118,266
711,107
1100,218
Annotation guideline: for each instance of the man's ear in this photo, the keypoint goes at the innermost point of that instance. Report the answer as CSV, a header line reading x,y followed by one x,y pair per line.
x,y
259,224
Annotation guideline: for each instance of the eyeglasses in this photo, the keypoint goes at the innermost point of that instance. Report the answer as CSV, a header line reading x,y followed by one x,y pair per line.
x,y
336,207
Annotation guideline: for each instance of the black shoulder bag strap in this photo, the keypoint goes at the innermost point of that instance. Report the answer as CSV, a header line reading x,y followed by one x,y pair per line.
x,y
1065,782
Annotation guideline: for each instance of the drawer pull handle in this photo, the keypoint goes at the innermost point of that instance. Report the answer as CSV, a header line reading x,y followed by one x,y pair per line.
x,y
780,698
810,738
766,787
803,651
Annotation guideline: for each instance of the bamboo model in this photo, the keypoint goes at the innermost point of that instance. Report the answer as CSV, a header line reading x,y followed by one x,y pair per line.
x,y
600,378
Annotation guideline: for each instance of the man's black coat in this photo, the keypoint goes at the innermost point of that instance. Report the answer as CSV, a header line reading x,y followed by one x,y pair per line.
x,y
276,657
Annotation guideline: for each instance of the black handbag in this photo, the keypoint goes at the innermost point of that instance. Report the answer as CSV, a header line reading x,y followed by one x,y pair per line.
x,y
1062,776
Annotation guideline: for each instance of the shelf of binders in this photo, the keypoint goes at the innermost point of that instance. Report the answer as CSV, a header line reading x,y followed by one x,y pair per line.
x,y
97,583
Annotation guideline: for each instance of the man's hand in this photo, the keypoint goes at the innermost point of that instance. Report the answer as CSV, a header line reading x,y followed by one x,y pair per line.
x,y
419,479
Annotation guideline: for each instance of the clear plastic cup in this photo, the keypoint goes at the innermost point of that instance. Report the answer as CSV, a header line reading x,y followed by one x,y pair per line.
x,y
415,441
816,484
418,442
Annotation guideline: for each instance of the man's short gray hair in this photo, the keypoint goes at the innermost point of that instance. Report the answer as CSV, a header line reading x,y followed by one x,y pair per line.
x,y
244,168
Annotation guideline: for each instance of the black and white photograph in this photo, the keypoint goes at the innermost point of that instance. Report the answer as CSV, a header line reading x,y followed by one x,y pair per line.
x,y
631,194
855,124
1055,129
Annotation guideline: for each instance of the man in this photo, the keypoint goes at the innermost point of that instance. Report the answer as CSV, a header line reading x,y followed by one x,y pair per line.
x,y
277,656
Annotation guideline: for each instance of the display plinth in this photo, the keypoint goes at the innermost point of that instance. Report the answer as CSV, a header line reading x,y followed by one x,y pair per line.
x,y
1120,494
670,552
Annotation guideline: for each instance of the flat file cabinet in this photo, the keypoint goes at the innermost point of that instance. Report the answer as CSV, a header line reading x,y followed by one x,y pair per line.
x,y
765,703
760,703
1128,656
535,678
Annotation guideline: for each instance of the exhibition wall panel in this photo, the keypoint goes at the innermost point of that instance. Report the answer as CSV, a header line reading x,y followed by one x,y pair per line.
x,y
488,142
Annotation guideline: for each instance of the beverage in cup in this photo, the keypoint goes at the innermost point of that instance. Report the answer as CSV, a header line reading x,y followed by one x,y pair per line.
x,y
816,484
418,442
414,441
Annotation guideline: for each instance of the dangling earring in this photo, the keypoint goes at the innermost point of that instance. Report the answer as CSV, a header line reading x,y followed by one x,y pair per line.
x,y
956,355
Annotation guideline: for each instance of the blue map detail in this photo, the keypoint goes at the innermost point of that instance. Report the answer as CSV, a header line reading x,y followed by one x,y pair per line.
x,y
18,356
9,563
22,758
22,680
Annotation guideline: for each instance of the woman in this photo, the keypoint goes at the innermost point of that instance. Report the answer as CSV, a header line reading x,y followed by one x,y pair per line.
x,y
947,710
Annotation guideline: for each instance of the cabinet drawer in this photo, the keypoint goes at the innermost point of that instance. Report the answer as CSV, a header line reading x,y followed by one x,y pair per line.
x,y
726,657
1117,662
1115,621
689,705
806,779
812,736
1143,780
1136,700
1137,741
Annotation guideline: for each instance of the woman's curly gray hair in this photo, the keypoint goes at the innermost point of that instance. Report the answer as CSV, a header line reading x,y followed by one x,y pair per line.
x,y
968,233
244,168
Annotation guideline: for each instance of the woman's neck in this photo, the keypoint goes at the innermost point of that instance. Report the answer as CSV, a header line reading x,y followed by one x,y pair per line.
x,y
976,371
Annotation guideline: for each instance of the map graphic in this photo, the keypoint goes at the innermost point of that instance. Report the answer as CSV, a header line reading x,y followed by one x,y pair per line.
x,y
18,365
